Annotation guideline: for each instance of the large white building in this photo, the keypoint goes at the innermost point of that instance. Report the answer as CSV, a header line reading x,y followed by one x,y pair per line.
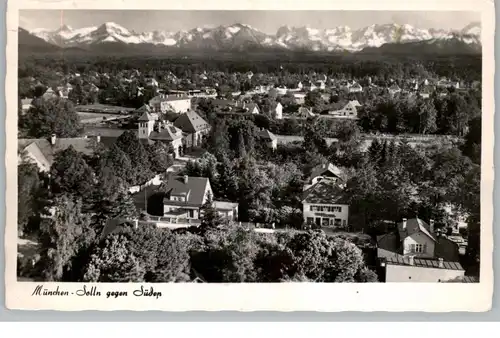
x,y
177,103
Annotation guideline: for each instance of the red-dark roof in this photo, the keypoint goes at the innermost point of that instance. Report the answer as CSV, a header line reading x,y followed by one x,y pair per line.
x,y
194,188
191,122
423,263
169,133
267,135
414,225
324,192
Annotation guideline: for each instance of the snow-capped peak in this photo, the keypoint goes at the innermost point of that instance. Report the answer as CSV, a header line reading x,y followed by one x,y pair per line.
x,y
239,35
474,28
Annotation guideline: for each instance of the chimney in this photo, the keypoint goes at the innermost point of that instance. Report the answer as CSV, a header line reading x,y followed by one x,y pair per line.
x,y
98,138
431,226
186,178
404,223
441,263
53,139
412,260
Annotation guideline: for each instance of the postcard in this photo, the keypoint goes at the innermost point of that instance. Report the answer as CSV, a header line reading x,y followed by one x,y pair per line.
x,y
250,156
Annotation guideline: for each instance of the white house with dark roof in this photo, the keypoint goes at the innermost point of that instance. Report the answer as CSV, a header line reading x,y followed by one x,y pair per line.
x,y
269,138
185,196
323,202
415,252
347,110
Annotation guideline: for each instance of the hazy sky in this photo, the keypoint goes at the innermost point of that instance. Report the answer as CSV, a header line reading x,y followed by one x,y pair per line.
x,y
266,21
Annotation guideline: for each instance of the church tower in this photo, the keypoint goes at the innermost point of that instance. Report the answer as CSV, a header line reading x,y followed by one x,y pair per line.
x,y
146,125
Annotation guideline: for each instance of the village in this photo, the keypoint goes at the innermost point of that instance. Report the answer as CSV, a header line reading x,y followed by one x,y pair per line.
x,y
272,153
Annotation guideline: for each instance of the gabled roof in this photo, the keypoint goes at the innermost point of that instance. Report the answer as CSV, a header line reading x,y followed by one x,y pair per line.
x,y
194,189
326,170
26,101
169,133
191,122
413,226
144,108
80,144
146,117
324,192
267,135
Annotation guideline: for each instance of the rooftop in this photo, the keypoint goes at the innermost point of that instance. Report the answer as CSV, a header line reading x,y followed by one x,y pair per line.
x,y
324,192
194,188
191,122
423,263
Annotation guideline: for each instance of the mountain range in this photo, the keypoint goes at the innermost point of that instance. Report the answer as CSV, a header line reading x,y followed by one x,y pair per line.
x,y
242,37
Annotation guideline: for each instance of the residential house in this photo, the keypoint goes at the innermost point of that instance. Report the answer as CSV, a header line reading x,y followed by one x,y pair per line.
x,y
445,83
227,210
355,88
151,82
49,94
194,127
305,112
323,204
42,151
276,110
320,84
345,110
328,172
26,104
153,130
185,196
299,98
93,88
177,103
426,91
394,89
415,252
269,138
308,85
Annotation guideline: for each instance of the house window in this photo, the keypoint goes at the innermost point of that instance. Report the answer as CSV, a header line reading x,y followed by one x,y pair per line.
x,y
326,221
310,220
338,222
191,213
419,248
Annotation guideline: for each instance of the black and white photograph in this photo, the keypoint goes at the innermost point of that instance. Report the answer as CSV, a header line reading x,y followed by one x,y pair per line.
x,y
249,146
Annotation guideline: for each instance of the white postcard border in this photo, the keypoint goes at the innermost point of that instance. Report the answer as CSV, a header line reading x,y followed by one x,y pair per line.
x,y
474,297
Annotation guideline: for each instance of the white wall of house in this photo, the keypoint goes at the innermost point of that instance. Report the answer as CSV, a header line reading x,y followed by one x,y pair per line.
x,y
423,241
338,214
145,129
278,113
412,274
178,106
